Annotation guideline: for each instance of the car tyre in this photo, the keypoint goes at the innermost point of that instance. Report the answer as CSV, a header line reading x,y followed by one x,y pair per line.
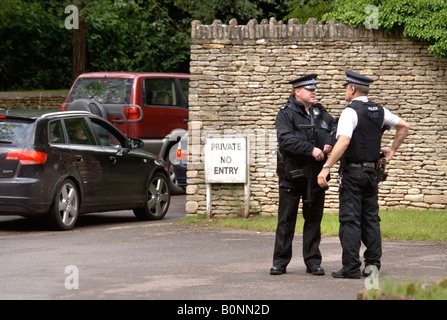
x,y
65,208
158,198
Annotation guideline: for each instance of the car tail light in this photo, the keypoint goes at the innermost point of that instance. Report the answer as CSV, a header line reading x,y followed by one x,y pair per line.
x,y
182,154
27,157
134,113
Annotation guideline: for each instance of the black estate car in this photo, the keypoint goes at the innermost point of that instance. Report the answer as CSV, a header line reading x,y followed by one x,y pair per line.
x,y
62,164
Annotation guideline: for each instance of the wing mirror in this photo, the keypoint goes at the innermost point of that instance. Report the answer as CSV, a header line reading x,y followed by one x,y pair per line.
x,y
136,143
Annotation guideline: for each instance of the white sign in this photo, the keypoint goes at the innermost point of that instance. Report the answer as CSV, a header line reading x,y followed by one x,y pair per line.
x,y
226,160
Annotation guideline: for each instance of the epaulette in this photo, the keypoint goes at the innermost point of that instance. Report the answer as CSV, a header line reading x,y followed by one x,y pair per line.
x,y
285,105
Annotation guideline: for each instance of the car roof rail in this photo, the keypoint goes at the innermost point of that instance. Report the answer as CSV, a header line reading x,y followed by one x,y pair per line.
x,y
59,113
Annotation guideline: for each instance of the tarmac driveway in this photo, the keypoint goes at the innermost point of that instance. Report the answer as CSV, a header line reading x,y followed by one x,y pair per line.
x,y
129,259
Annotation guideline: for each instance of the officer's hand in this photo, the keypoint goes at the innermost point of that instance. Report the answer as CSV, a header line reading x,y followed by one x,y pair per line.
x,y
318,154
388,153
327,148
321,178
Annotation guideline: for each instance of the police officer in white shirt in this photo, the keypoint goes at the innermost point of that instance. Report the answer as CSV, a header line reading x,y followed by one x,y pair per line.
x,y
359,134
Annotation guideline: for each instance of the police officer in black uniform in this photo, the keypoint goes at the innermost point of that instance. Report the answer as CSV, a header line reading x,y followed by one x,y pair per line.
x,y
359,135
302,148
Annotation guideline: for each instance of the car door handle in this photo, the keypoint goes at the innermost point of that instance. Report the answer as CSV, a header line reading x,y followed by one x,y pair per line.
x,y
79,158
112,159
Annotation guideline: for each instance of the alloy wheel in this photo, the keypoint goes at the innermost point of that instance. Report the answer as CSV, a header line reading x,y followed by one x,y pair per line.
x,y
68,204
158,198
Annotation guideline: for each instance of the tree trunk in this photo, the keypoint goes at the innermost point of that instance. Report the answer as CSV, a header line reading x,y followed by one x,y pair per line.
x,y
79,46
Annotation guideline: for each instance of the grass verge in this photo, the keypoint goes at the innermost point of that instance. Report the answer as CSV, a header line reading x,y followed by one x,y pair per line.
x,y
421,225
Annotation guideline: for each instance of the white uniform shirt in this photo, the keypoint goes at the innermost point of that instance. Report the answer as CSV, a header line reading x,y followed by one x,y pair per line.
x,y
348,119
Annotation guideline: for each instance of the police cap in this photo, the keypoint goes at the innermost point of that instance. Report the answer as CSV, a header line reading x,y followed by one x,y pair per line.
x,y
307,82
353,77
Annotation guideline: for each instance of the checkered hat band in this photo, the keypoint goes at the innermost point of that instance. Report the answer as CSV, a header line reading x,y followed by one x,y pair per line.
x,y
348,79
305,83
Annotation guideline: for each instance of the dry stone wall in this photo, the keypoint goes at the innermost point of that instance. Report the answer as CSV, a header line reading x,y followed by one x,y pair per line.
x,y
239,76
32,100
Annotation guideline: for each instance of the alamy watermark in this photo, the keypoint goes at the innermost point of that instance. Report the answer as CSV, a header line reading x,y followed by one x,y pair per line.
x,y
372,20
372,281
263,143
72,280
72,21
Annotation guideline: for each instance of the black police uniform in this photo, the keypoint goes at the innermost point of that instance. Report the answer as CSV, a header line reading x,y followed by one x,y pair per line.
x,y
295,147
358,211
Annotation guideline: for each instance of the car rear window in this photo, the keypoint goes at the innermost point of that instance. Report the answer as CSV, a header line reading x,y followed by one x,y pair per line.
x,y
14,131
103,90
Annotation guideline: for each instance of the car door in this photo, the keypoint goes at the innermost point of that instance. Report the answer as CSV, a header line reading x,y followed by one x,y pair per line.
x,y
91,161
128,169
163,107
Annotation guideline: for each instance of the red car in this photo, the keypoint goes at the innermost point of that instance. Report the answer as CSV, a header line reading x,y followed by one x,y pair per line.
x,y
150,106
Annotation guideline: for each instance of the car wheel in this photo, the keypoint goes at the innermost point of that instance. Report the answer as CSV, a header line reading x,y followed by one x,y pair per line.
x,y
158,199
65,209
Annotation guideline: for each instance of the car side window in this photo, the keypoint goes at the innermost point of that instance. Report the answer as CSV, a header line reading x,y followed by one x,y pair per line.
x,y
107,136
56,132
79,132
159,92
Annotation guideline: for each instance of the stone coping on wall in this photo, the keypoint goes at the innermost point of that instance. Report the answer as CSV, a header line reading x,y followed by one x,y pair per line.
x,y
272,30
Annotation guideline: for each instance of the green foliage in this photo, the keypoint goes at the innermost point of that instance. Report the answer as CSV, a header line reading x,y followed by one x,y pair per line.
x,y
122,35
208,11
135,36
421,20
243,10
305,9
35,49
138,35
141,35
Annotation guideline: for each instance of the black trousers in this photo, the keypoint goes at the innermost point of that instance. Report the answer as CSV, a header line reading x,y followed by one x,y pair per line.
x,y
289,199
359,219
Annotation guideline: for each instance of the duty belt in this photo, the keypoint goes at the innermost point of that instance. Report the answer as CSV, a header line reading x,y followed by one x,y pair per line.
x,y
366,166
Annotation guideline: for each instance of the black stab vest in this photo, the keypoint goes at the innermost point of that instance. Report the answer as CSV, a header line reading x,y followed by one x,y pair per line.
x,y
367,136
